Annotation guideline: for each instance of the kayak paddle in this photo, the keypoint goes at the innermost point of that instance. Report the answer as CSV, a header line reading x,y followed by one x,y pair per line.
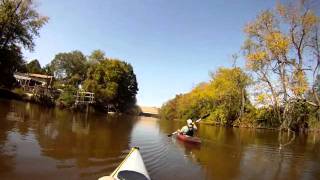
x,y
169,135
202,117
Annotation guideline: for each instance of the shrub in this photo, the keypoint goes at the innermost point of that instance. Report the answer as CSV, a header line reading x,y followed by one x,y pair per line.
x,y
67,97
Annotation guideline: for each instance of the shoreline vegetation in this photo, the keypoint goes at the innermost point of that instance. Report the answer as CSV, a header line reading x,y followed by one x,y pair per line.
x,y
279,86
20,95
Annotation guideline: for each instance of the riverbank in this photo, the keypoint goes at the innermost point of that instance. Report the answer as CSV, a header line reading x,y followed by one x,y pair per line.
x,y
8,94
254,118
19,94
315,128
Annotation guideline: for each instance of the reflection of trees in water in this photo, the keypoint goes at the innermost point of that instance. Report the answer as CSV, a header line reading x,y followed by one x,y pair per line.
x,y
17,118
6,151
304,159
17,115
26,116
299,160
88,141
314,140
188,149
220,147
168,126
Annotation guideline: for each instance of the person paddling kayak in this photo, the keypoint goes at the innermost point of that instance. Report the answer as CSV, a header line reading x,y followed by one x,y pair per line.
x,y
189,129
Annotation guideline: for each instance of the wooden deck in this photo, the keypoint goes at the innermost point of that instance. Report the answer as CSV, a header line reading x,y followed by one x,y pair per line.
x,y
83,97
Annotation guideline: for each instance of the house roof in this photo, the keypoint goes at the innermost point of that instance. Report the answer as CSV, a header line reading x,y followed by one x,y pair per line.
x,y
39,75
17,76
32,75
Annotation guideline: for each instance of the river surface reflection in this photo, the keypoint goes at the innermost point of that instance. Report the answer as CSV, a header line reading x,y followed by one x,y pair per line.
x,y
44,143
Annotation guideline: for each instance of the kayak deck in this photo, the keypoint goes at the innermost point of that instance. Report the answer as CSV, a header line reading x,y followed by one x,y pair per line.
x,y
131,168
189,139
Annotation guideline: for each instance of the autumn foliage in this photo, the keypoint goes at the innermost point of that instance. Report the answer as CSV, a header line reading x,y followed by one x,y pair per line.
x,y
222,98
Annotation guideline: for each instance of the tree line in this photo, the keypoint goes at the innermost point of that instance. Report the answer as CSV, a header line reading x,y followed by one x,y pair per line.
x,y
282,55
112,80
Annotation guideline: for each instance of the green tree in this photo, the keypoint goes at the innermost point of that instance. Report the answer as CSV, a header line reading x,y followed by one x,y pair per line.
x,y
70,67
11,61
34,67
228,92
96,56
114,83
48,70
169,109
19,25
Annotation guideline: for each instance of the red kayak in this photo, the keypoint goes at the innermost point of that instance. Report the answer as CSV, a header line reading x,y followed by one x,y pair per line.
x,y
189,139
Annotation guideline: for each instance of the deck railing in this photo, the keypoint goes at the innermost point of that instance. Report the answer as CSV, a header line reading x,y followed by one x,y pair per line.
x,y
83,97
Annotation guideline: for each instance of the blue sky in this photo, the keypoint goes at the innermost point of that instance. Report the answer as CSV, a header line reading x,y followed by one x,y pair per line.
x,y
171,44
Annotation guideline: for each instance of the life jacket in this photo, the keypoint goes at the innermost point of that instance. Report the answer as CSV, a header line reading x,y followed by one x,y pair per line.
x,y
190,131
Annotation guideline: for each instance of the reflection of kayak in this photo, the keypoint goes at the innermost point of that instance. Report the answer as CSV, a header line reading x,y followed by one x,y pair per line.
x,y
131,168
189,139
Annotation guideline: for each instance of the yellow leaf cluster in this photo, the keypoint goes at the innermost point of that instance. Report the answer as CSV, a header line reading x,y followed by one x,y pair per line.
x,y
250,28
299,84
261,98
257,56
309,20
277,43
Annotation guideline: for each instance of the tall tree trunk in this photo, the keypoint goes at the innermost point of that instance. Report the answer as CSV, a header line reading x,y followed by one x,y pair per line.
x,y
242,103
316,69
276,106
283,81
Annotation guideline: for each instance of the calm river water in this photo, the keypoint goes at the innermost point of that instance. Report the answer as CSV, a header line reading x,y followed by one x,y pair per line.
x,y
43,143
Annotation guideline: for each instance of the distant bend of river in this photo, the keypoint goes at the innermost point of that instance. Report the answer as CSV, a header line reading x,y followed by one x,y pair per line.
x,y
48,143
